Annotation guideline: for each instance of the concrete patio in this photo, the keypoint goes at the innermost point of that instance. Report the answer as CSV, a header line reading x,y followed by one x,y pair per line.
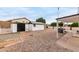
x,y
69,41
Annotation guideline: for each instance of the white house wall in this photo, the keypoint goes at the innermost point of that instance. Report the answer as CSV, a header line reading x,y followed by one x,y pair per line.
x,y
37,27
26,27
14,27
30,27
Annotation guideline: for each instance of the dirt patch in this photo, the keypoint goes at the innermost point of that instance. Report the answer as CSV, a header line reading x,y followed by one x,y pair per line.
x,y
37,41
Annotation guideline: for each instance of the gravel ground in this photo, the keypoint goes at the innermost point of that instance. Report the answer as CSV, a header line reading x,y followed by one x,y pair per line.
x,y
38,41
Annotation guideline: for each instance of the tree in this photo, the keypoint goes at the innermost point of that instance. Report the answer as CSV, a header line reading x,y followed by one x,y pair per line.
x,y
75,24
53,24
61,24
41,19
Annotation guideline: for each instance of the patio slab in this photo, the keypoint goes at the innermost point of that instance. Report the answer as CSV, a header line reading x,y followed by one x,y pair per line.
x,y
70,42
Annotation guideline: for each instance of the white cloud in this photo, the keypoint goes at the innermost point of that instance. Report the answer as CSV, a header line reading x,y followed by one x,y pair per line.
x,y
67,11
51,19
50,14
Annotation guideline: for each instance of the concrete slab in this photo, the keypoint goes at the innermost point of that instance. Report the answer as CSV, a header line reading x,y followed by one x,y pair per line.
x,y
70,42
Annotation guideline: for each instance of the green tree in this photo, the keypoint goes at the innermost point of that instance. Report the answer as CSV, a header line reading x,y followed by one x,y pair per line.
x,y
75,24
61,24
53,24
41,19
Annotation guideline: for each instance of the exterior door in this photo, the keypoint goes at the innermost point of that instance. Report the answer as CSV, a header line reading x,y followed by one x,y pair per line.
x,y
20,27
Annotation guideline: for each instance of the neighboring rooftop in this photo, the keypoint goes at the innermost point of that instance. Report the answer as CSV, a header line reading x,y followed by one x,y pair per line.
x,y
70,18
67,16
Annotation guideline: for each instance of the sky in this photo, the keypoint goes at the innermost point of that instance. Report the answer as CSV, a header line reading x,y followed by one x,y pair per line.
x,y
32,13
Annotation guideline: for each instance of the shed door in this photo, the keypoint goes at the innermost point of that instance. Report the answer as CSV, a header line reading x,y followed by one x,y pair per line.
x,y
20,27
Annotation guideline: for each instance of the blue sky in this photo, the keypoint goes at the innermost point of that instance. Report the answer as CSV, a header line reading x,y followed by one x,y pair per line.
x,y
32,13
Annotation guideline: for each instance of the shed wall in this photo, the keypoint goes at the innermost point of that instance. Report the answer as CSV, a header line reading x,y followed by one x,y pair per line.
x,y
31,27
14,27
28,27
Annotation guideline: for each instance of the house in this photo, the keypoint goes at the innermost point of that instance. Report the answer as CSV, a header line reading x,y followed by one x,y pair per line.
x,y
20,24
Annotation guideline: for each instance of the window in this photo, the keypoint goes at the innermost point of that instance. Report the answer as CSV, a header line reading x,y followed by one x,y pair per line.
x,y
34,25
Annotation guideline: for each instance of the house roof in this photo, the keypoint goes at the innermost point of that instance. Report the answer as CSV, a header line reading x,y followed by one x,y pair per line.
x,y
4,24
70,18
67,16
